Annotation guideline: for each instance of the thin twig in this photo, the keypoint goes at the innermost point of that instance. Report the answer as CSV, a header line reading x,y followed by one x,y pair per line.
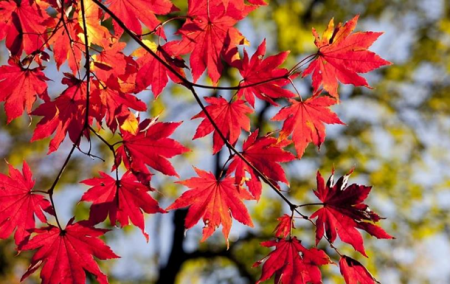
x,y
310,204
87,65
111,148
52,188
162,24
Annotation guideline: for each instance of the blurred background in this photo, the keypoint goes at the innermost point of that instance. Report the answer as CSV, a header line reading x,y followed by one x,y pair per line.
x,y
397,139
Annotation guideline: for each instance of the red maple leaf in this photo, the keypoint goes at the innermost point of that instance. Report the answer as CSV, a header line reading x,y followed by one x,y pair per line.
x,y
20,86
24,25
115,104
121,200
287,264
65,115
150,146
19,205
67,43
152,72
132,13
215,201
208,34
343,211
354,272
264,153
284,227
305,120
230,117
342,55
257,70
111,61
66,254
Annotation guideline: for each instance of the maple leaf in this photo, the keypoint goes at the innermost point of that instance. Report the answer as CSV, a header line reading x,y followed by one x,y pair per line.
x,y
152,72
95,31
343,211
24,24
354,272
114,104
65,115
67,45
208,34
341,56
136,11
257,70
230,117
305,120
287,264
66,254
264,153
215,201
121,200
19,205
284,227
20,86
150,146
111,64
111,61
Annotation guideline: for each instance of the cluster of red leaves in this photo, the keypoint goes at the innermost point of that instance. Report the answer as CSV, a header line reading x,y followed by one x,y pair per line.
x,y
287,264
343,211
106,97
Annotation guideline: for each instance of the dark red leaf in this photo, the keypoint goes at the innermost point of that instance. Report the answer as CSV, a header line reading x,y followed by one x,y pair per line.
x,y
354,272
344,211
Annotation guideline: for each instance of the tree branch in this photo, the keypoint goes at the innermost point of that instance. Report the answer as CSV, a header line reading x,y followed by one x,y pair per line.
x,y
191,86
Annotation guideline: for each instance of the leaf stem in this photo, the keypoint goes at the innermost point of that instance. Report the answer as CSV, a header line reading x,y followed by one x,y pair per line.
x,y
225,164
52,188
111,148
39,191
310,204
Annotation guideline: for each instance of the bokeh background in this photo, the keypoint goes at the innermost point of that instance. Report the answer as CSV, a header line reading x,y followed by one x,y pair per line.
x,y
397,138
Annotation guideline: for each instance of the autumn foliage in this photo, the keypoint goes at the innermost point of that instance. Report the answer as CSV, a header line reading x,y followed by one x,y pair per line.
x,y
100,94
